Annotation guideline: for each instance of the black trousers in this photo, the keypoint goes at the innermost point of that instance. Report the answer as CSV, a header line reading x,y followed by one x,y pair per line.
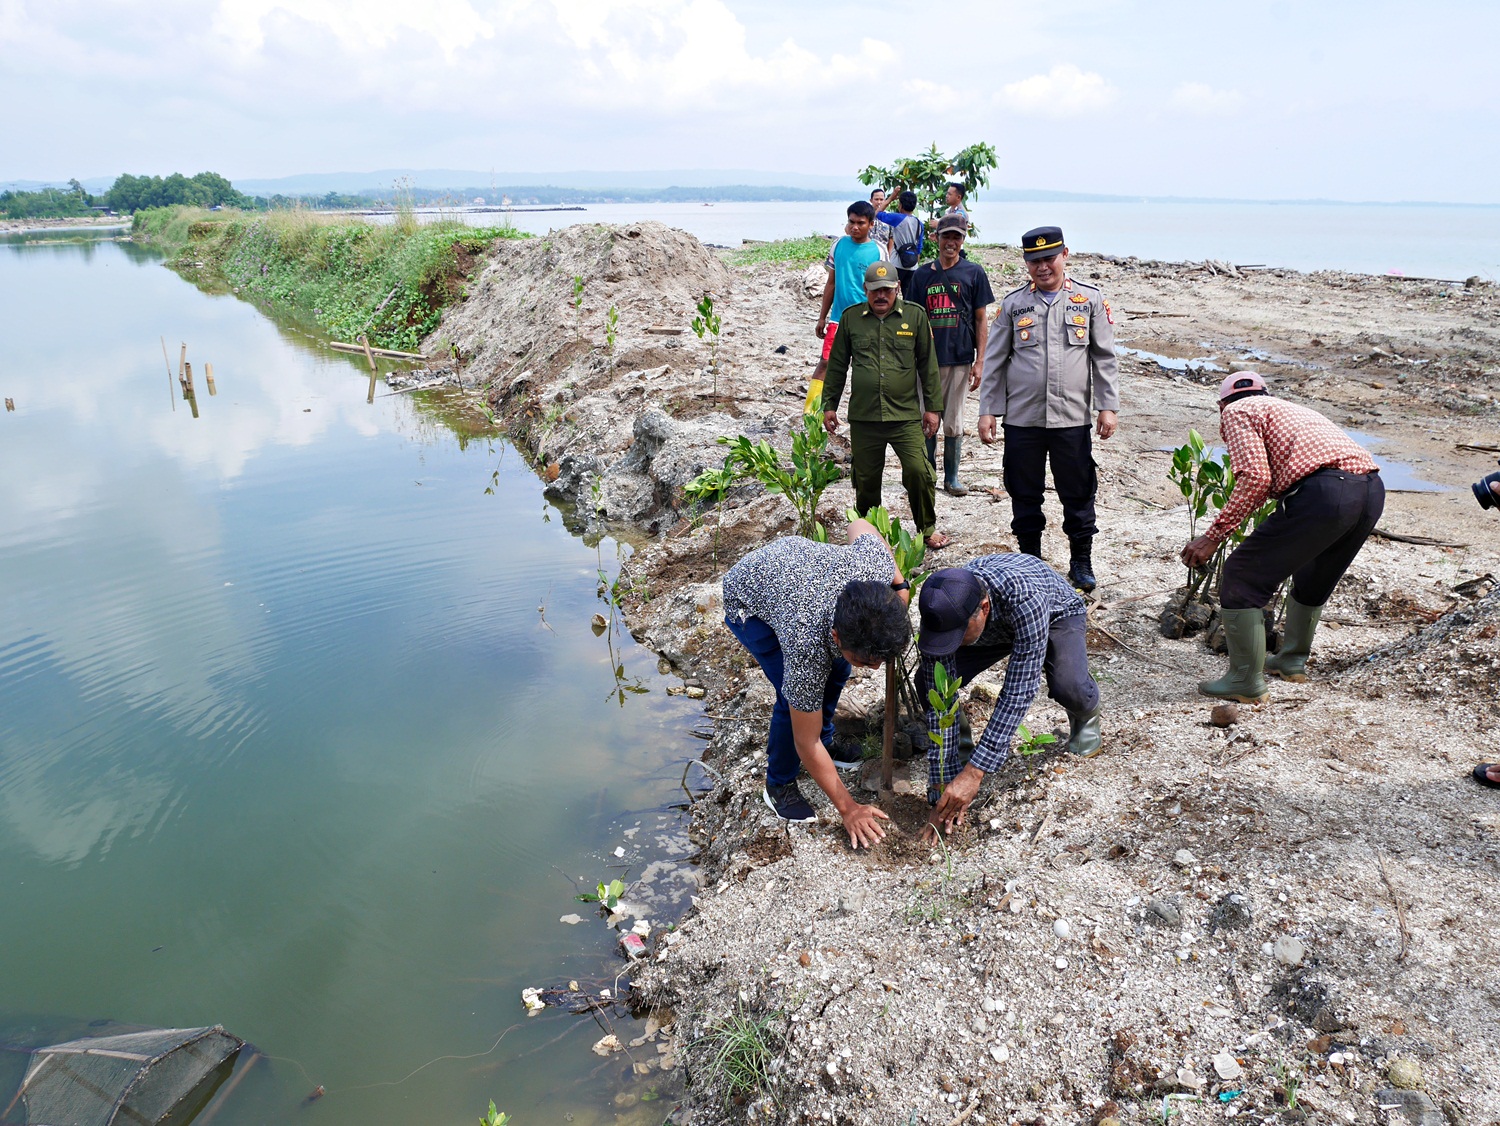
x,y
1313,536
1070,449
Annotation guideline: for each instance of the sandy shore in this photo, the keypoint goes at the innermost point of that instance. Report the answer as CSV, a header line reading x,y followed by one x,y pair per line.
x,y
81,223
1290,918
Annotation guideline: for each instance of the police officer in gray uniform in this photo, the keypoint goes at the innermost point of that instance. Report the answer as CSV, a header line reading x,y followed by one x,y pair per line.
x,y
1051,353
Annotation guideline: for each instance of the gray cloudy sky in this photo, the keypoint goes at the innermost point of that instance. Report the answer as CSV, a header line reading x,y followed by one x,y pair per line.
x,y
1348,100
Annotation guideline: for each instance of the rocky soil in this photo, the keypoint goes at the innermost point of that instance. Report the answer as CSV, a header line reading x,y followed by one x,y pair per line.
x,y
1288,918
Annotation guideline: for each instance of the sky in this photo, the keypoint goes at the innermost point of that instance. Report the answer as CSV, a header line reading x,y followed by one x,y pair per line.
x,y
1364,100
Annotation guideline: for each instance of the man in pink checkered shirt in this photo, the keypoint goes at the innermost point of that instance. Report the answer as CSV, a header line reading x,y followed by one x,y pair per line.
x,y
1330,498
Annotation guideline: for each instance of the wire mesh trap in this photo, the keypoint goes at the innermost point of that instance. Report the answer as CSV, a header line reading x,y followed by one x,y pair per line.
x,y
159,1076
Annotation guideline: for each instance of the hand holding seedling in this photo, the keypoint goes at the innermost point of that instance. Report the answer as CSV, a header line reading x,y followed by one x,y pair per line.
x,y
1198,552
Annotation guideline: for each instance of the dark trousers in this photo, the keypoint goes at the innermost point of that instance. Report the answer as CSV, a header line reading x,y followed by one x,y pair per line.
x,y
1066,668
782,760
867,442
1313,536
1070,449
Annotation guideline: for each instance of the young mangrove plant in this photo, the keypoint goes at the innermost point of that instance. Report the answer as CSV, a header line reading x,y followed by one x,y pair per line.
x,y
494,1117
1030,743
803,483
909,551
1206,482
707,322
611,332
707,488
943,695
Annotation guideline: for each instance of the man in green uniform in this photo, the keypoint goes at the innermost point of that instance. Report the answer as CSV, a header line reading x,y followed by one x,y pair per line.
x,y
889,343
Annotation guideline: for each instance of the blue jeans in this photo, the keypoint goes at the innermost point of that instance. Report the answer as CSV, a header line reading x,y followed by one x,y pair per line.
x,y
782,760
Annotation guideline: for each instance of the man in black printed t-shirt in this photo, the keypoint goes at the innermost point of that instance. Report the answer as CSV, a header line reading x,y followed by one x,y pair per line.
x,y
956,294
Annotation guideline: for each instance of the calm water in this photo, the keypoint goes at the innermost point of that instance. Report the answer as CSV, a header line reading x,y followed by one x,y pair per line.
x,y
285,742
1439,242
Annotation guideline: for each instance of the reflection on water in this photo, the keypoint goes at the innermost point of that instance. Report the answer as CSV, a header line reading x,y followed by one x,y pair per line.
x,y
284,741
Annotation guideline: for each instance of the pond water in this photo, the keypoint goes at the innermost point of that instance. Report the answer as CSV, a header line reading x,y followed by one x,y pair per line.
x,y
303,727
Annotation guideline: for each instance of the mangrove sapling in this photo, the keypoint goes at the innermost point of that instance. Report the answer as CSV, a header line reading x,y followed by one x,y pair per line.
x,y
812,471
707,321
1207,482
943,695
578,304
909,552
1029,744
494,1117
611,332
709,488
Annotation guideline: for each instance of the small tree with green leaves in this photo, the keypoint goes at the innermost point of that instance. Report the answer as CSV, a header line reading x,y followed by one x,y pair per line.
x,y
929,173
943,695
709,487
611,332
1029,744
1206,481
707,323
803,483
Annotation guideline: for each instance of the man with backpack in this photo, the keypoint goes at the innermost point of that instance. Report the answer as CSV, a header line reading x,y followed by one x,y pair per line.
x,y
907,235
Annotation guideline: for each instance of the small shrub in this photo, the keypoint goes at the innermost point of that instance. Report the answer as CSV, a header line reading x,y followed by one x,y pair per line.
x,y
740,1049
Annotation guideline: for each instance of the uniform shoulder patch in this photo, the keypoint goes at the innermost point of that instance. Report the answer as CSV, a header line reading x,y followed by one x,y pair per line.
x,y
1110,317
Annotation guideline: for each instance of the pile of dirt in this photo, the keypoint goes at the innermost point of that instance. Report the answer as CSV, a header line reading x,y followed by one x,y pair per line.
x,y
1456,657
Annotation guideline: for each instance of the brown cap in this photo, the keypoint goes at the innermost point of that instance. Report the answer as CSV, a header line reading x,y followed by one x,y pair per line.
x,y
880,275
953,222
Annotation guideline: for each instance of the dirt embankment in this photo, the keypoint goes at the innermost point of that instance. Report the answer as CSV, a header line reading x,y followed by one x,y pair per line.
x,y
1291,918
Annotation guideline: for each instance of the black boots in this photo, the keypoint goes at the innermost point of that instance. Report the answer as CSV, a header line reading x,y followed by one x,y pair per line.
x,y
1029,544
1081,564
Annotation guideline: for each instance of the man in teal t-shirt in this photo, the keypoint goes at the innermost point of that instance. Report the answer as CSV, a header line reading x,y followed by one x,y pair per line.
x,y
846,265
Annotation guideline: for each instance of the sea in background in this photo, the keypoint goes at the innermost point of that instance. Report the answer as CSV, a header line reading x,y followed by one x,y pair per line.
x,y
1417,240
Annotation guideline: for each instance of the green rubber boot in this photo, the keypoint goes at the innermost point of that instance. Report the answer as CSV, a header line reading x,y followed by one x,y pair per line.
x,y
1085,737
952,452
1296,641
1245,637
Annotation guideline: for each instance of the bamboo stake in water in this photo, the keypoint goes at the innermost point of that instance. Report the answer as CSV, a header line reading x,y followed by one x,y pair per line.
x,y
208,374
369,355
171,398
187,379
182,359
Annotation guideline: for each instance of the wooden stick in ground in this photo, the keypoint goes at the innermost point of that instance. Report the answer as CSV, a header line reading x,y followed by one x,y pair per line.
x,y
182,359
187,379
208,374
166,359
1400,910
369,355
888,737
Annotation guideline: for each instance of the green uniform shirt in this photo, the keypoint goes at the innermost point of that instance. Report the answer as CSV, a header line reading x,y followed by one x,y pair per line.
x,y
890,356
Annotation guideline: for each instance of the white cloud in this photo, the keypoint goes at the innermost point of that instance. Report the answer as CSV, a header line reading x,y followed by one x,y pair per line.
x,y
1203,100
1064,91
359,27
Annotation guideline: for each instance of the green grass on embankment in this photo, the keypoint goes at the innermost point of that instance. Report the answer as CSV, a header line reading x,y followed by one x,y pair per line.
x,y
388,281
789,251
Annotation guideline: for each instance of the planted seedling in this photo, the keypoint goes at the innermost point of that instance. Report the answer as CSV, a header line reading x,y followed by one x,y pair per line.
x,y
812,471
1031,743
494,1117
611,331
943,696
707,322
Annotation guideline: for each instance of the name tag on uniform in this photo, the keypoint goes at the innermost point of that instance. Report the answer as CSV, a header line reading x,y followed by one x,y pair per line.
x,y
900,333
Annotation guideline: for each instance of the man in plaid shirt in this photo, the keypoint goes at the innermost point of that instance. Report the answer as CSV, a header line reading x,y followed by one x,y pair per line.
x,y
998,606
1330,499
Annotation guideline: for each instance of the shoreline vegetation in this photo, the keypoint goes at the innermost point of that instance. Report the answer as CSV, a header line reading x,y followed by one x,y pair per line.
x,y
389,282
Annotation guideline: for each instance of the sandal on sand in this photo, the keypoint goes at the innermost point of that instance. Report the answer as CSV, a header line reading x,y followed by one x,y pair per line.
x,y
937,541
1481,775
